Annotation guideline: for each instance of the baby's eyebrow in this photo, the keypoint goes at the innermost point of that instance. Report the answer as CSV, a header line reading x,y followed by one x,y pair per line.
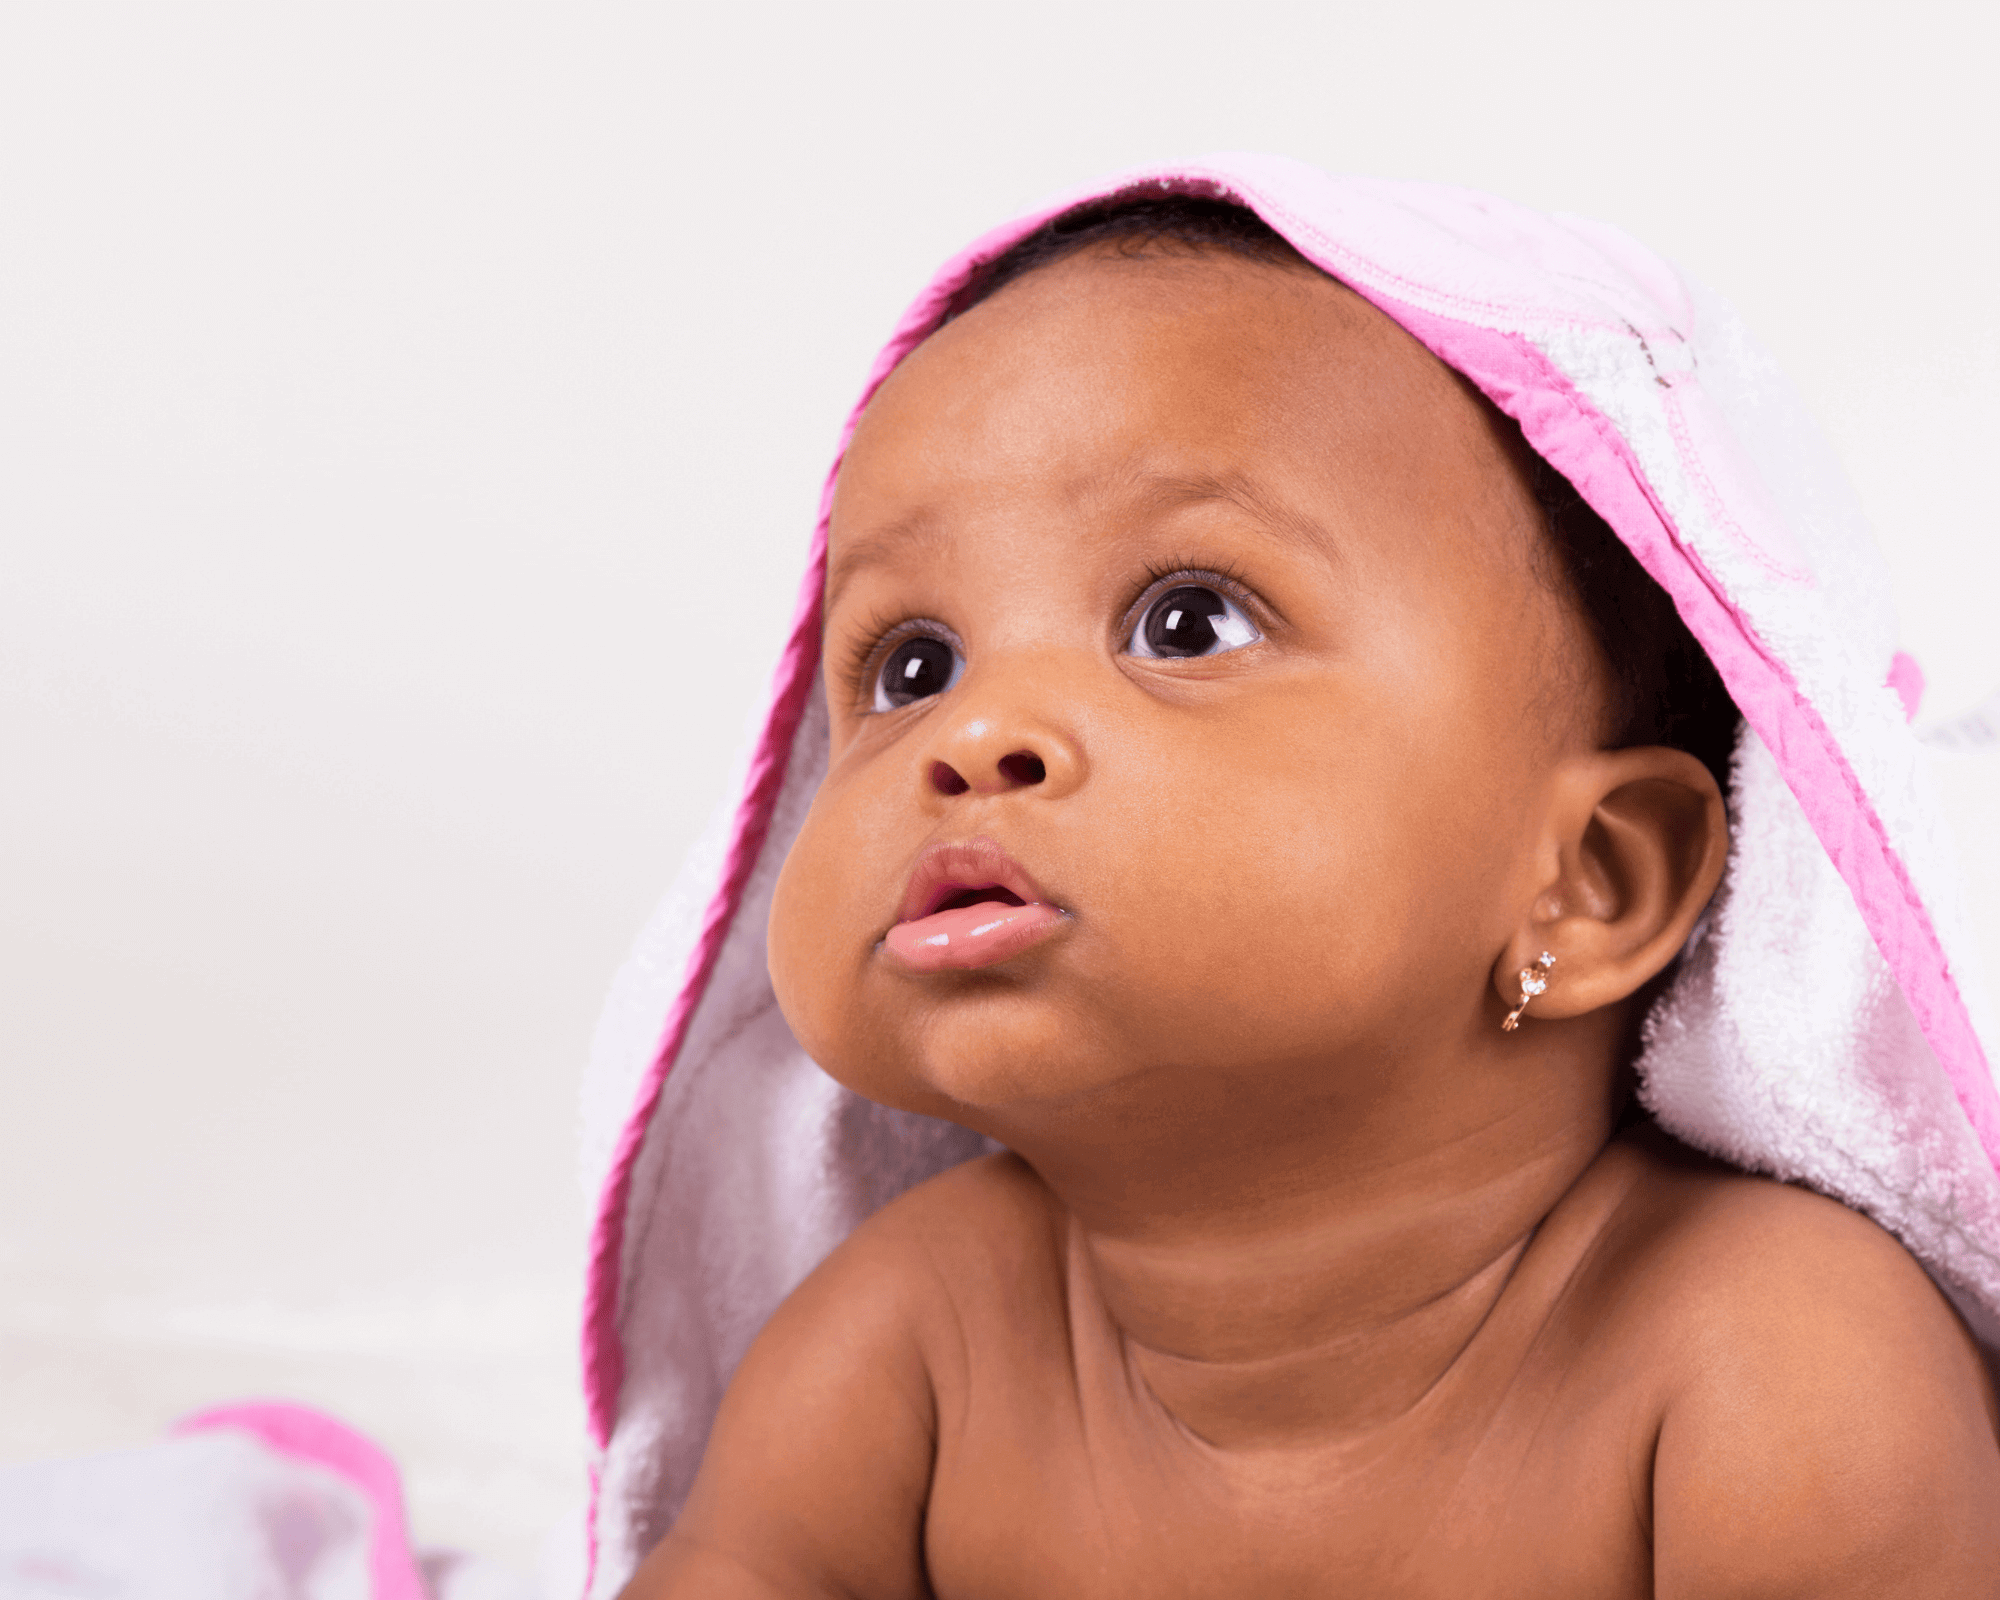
x,y
884,547
1153,491
1167,491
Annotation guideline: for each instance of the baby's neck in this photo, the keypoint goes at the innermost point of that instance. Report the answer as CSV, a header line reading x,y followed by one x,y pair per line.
x,y
1318,1331
1317,1290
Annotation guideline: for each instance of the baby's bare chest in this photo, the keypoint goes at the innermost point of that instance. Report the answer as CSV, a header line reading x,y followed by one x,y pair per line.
x,y
1076,1484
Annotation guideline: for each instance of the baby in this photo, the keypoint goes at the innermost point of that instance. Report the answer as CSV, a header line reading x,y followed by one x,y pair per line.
x,y
1265,799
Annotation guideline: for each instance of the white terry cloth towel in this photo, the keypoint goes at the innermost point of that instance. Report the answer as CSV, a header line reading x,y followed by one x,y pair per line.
x,y
256,1502
262,1500
1827,1025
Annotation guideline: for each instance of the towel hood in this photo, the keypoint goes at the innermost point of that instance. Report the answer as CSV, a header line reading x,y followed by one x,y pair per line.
x,y
1826,1025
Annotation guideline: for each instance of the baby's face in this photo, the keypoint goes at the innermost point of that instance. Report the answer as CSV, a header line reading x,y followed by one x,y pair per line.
x,y
1192,602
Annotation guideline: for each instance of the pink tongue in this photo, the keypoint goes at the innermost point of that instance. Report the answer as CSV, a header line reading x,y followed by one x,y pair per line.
x,y
961,925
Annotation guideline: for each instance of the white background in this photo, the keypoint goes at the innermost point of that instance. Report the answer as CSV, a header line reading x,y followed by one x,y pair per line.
x,y
411,419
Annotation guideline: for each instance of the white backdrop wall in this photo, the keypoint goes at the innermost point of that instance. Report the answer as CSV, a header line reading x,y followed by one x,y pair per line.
x,y
411,418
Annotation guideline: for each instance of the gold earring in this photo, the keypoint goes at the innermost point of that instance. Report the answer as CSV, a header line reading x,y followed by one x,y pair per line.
x,y
1533,982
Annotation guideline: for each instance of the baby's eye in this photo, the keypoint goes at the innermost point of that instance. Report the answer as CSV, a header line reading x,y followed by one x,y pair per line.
x,y
1191,621
916,669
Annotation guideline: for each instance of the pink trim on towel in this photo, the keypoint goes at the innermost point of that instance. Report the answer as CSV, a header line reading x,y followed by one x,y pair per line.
x,y
1906,677
595,1473
304,1434
603,1354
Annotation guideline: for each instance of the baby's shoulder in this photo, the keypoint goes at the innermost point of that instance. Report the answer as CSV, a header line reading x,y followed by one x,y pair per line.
x,y
998,1191
818,1468
976,1229
1719,1260
965,1241
1821,1407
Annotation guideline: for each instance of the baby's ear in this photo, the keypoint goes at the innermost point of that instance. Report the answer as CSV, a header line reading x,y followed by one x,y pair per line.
x,y
1636,842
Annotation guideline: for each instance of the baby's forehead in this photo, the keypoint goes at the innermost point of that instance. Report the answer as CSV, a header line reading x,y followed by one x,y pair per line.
x,y
1173,377
1169,309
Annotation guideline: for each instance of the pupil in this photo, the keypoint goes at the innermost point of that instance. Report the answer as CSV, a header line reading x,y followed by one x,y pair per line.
x,y
916,669
1182,622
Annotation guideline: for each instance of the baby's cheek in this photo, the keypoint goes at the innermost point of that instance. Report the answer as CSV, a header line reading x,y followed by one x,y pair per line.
x,y
802,944
828,909
1240,912
1282,886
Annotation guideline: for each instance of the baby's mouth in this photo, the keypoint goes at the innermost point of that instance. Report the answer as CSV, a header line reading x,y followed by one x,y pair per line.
x,y
992,895
969,905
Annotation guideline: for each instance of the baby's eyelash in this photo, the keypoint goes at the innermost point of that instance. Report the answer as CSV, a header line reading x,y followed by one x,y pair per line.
x,y
862,642
1190,569
1223,577
870,640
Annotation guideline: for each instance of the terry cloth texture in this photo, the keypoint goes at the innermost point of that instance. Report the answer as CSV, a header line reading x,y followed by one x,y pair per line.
x,y
245,1502
1828,1025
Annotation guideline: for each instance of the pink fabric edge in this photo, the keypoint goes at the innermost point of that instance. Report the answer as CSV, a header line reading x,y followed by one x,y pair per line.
x,y
1906,677
304,1434
595,1474
1572,435
603,1355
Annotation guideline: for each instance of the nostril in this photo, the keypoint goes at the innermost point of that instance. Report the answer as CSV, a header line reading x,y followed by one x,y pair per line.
x,y
1023,768
946,781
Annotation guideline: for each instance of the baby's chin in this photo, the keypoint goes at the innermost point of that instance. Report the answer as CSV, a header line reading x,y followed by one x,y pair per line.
x,y
987,1057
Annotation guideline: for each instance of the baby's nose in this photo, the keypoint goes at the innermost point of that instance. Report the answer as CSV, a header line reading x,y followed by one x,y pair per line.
x,y
1014,771
996,750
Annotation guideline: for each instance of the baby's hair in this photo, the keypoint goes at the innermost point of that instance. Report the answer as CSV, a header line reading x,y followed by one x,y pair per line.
x,y
1660,685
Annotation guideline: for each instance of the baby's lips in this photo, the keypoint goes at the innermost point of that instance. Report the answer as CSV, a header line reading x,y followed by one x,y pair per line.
x,y
971,936
929,938
947,869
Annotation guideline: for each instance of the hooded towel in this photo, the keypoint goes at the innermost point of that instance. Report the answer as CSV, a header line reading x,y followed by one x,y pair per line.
x,y
1825,1026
